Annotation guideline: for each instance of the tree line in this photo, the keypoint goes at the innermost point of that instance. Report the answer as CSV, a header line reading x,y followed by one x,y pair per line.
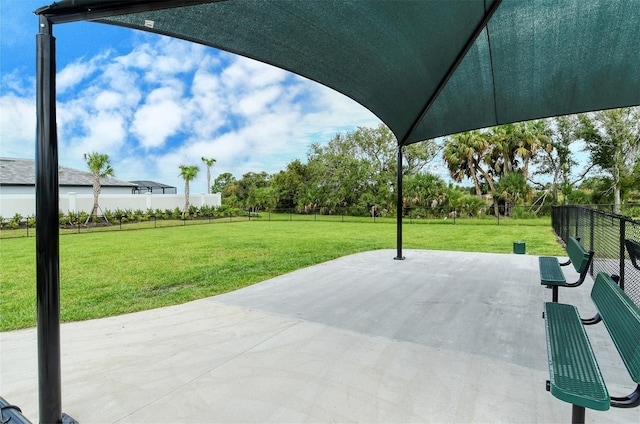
x,y
586,158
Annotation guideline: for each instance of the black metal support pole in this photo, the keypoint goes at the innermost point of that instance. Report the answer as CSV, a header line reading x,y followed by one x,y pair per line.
x,y
399,206
577,414
47,238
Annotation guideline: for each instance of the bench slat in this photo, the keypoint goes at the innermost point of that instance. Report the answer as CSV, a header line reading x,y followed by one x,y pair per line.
x,y
550,271
574,373
622,319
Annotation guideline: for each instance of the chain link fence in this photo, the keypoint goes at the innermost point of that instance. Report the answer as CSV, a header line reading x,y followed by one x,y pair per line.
x,y
120,220
607,235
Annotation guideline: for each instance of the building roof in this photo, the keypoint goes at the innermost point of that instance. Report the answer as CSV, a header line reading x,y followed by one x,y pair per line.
x,y
22,172
150,184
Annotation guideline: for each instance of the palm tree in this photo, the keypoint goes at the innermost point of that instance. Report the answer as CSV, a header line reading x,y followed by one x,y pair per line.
x,y
100,167
463,153
209,162
502,158
188,173
529,136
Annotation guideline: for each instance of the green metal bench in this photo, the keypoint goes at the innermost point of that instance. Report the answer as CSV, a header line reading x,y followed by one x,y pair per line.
x,y
551,274
574,373
633,247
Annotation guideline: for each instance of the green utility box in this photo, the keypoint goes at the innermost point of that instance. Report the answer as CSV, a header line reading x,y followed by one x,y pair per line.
x,y
519,247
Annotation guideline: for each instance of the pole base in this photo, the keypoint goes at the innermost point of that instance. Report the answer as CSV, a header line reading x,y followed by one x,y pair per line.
x,y
399,258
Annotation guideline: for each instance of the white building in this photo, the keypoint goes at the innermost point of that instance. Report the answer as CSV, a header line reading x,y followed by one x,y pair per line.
x,y
18,176
17,192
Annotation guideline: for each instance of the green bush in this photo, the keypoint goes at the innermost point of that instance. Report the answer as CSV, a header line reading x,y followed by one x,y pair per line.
x,y
522,213
17,218
12,225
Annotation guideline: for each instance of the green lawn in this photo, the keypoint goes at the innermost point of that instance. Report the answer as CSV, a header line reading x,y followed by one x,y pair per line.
x,y
115,272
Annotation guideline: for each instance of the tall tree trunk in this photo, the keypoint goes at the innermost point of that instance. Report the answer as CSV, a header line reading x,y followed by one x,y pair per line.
x,y
554,185
186,196
616,183
489,179
96,194
616,199
476,183
208,180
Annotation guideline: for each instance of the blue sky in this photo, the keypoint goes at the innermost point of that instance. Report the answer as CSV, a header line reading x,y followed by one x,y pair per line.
x,y
152,103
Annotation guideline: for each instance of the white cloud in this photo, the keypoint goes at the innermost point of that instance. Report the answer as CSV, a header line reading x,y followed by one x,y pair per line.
x,y
17,126
17,82
78,71
246,74
72,75
207,107
109,100
157,119
258,101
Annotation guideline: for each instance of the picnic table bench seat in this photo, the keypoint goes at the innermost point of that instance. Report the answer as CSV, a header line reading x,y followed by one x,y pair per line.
x,y
551,274
575,376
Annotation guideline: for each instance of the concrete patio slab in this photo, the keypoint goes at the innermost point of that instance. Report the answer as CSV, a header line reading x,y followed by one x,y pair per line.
x,y
445,337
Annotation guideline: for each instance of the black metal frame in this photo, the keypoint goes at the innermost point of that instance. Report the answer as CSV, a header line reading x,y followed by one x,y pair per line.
x,y
630,401
634,252
581,278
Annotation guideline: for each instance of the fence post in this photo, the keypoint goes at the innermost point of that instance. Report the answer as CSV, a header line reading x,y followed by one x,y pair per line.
x,y
622,261
565,222
577,219
591,235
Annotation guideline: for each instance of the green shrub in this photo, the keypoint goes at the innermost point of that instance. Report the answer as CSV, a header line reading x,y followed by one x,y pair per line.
x,y
522,213
17,218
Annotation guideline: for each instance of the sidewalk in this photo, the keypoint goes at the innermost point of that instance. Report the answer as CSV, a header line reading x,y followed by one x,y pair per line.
x,y
445,337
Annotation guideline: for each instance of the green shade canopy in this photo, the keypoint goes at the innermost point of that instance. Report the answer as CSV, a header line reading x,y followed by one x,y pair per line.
x,y
425,68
